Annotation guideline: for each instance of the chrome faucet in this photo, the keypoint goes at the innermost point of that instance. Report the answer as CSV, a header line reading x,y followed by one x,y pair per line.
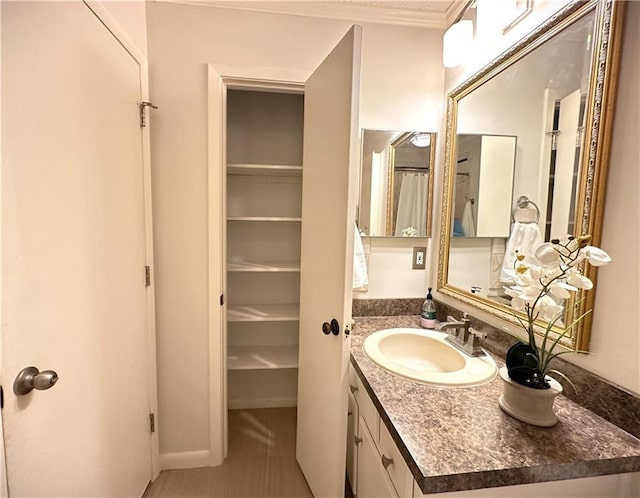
x,y
463,336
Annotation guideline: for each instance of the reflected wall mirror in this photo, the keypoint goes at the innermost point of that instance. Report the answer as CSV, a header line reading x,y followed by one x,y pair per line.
x,y
527,146
396,183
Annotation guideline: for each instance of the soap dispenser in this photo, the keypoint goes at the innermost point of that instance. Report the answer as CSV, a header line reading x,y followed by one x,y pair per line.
x,y
428,318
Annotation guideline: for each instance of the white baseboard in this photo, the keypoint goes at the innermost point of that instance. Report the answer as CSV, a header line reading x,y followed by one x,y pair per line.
x,y
186,460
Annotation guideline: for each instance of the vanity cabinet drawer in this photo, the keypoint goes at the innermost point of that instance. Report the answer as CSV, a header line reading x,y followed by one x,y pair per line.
x,y
393,460
367,410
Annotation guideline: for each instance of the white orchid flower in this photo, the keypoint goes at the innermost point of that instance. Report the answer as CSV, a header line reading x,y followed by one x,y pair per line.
x,y
596,256
578,280
548,308
547,255
561,290
518,304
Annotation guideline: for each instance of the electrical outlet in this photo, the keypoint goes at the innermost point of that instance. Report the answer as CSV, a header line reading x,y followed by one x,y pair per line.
x,y
419,256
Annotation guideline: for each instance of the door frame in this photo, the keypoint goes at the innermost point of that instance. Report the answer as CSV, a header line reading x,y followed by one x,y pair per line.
x,y
220,80
119,33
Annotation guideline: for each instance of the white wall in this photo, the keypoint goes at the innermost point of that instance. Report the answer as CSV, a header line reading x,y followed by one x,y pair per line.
x,y
402,87
131,16
389,261
615,343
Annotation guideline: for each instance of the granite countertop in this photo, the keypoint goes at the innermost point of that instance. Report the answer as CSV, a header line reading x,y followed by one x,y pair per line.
x,y
459,439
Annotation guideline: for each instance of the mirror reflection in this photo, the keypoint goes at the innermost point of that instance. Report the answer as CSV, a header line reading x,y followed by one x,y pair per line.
x,y
483,185
396,183
548,102
503,158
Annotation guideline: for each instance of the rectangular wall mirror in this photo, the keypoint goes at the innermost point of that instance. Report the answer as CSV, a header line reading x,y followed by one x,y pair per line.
x,y
396,183
526,156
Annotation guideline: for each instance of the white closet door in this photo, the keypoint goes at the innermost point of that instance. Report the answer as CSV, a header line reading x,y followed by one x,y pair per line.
x,y
565,163
73,255
328,215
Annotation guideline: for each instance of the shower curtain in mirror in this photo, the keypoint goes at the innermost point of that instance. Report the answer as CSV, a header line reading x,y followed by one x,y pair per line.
x,y
412,206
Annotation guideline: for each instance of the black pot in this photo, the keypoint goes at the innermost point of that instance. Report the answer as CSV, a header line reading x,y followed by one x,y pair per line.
x,y
524,367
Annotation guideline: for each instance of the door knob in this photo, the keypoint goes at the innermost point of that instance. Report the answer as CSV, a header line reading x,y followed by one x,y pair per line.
x,y
331,328
31,378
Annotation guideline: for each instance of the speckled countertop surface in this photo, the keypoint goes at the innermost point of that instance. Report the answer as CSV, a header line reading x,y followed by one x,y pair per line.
x,y
459,439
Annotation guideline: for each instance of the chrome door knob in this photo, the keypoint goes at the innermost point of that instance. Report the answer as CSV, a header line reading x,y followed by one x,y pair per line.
x,y
31,378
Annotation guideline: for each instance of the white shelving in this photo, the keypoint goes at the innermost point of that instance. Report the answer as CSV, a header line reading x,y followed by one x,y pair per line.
x,y
263,169
264,218
263,313
264,208
262,357
264,266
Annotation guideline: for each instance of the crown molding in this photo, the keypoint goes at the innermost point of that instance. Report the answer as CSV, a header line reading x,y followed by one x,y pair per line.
x,y
332,10
456,10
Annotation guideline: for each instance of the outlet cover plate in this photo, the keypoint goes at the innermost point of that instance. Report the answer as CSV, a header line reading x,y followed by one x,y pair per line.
x,y
419,257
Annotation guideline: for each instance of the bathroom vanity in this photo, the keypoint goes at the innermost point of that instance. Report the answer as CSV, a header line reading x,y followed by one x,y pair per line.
x,y
411,439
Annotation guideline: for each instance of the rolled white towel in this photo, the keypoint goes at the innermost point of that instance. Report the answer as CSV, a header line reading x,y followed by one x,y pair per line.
x,y
360,274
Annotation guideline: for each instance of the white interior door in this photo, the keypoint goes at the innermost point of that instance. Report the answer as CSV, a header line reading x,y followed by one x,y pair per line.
x,y
73,255
328,214
568,124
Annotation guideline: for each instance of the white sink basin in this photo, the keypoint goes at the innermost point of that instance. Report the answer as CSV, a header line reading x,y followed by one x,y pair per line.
x,y
424,356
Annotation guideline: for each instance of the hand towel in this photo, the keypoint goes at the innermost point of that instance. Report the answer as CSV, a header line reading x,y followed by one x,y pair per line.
x,y
525,238
468,225
360,275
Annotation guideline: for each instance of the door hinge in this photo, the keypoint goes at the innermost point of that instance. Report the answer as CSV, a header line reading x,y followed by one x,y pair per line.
x,y
152,422
147,276
143,119
221,299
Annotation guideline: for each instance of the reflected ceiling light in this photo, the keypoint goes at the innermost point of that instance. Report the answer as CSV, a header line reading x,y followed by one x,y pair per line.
x,y
421,140
456,43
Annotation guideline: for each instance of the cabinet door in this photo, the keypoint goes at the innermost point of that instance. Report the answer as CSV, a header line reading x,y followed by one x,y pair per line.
x,y
328,217
352,446
373,480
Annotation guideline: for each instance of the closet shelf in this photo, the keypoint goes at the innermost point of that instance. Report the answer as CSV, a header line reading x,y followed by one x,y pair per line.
x,y
263,169
262,266
263,218
262,357
263,313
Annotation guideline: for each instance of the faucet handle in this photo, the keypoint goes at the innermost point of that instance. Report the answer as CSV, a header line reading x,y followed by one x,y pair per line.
x,y
474,347
477,334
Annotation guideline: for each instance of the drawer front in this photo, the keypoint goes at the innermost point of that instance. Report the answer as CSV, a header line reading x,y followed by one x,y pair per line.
x,y
368,410
353,376
398,471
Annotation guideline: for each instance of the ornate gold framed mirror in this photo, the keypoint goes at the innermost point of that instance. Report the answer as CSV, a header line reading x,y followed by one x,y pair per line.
x,y
527,143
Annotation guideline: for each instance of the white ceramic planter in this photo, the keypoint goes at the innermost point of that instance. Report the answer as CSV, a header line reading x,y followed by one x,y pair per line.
x,y
533,406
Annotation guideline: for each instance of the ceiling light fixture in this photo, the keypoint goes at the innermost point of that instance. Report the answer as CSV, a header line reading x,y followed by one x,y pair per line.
x,y
421,139
456,43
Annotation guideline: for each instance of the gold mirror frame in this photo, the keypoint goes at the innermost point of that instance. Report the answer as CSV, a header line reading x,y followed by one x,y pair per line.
x,y
593,161
392,161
